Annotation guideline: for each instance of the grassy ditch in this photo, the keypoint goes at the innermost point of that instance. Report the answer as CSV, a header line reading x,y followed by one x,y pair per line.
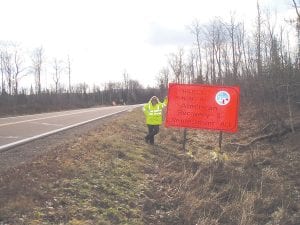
x,y
110,176
96,179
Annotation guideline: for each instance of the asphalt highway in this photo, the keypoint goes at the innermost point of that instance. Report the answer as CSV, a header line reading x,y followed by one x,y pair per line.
x,y
18,130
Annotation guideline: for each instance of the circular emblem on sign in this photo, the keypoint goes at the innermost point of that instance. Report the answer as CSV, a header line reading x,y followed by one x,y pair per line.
x,y
222,97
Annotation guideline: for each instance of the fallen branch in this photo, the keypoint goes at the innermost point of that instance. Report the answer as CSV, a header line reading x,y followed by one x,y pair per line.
x,y
254,140
263,137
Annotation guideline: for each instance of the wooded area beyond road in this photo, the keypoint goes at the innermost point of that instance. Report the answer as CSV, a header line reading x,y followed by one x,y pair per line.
x,y
264,62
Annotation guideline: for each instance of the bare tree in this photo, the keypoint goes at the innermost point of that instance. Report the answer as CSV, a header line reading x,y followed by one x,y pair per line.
x,y
236,39
125,87
17,69
12,66
163,81
196,31
134,88
176,64
258,40
2,73
58,68
69,73
6,68
37,59
232,29
219,50
190,69
212,38
298,29
296,8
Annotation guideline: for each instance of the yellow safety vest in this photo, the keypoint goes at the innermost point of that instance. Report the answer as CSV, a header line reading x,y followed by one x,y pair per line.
x,y
153,113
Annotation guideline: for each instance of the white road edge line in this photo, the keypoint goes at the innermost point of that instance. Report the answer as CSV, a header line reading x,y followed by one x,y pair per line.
x,y
64,111
50,117
6,147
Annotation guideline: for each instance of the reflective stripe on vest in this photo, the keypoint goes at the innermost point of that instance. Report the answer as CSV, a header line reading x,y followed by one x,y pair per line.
x,y
155,111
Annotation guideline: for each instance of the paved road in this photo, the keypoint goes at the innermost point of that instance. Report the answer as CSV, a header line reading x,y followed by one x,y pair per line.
x,y
18,130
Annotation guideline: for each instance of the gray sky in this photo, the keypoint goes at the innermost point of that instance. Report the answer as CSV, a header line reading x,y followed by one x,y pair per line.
x,y
105,38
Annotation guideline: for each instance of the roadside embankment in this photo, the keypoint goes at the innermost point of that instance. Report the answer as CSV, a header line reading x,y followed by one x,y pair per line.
x,y
110,176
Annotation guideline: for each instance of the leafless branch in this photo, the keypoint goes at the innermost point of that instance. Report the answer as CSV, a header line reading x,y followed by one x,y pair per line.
x,y
296,8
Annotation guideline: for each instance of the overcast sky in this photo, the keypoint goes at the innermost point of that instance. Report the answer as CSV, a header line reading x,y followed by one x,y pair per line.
x,y
106,37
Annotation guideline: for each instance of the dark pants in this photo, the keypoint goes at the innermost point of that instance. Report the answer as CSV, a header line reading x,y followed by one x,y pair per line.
x,y
152,131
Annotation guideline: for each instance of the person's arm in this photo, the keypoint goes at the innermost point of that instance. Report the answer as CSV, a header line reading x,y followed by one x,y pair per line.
x,y
145,110
165,102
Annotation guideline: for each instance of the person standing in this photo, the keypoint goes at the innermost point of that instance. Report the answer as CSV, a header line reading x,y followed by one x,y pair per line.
x,y
153,111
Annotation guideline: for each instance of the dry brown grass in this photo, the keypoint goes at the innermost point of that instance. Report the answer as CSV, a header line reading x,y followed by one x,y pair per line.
x,y
259,185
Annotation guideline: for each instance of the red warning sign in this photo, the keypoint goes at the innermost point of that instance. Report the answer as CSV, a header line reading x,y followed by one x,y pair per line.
x,y
203,107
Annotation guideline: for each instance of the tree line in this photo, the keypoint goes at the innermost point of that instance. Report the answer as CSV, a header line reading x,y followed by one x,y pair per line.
x,y
128,91
15,66
264,62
